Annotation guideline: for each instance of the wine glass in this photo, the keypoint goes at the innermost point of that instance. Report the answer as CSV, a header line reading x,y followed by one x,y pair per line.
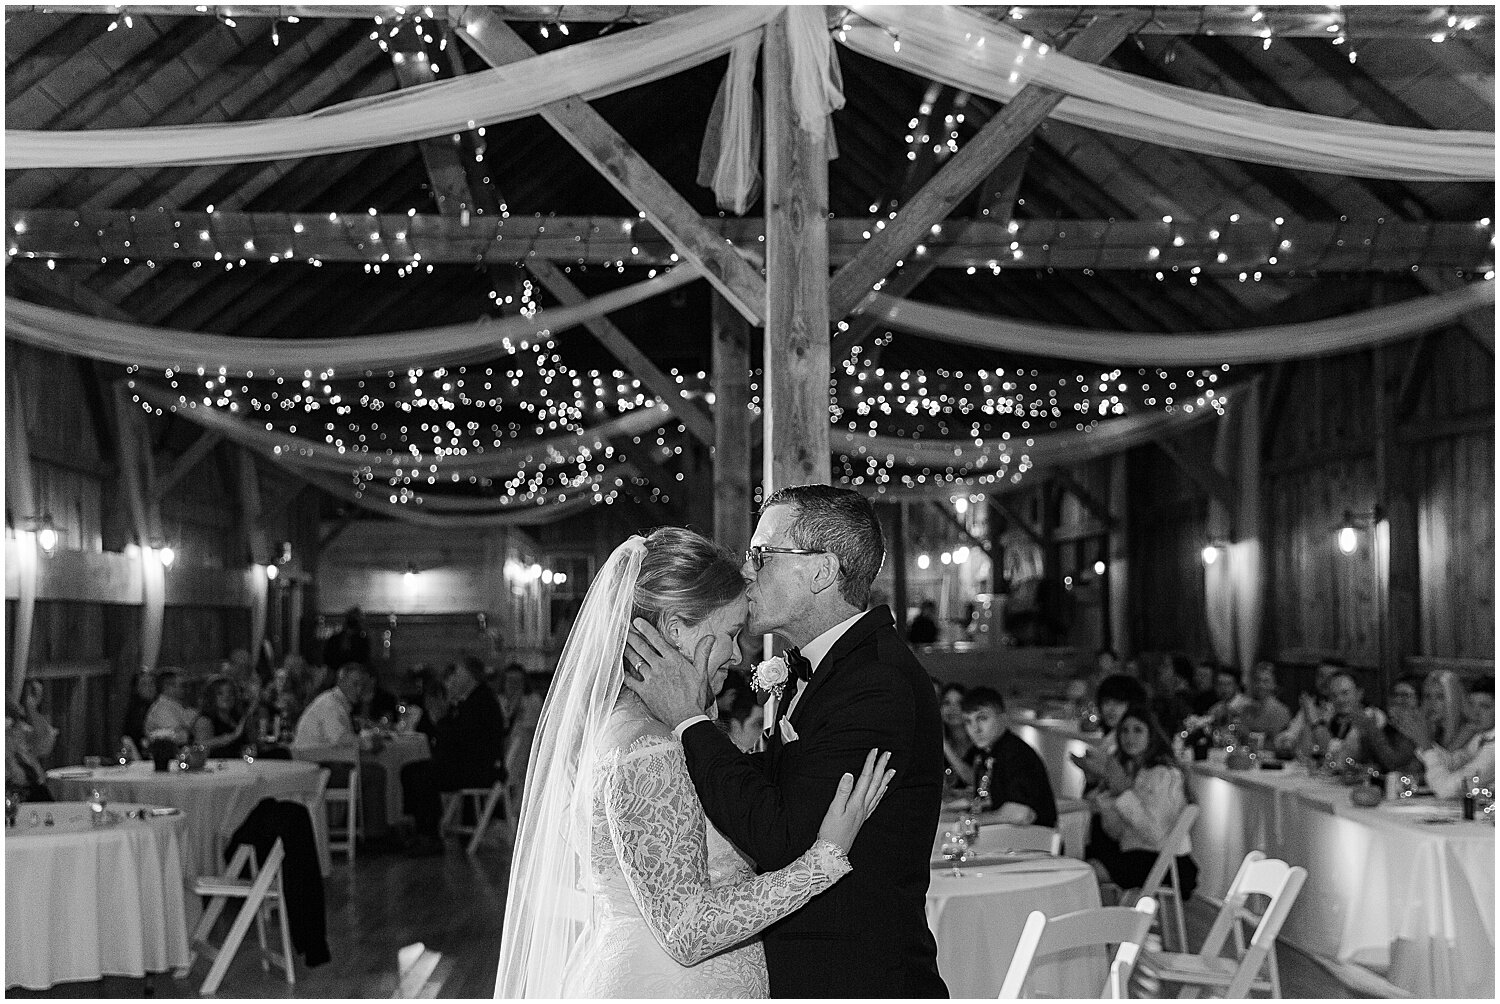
x,y
955,850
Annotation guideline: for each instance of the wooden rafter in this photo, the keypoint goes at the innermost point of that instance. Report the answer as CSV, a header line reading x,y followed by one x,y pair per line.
x,y
1213,484
189,459
941,508
1061,244
603,147
1096,506
957,178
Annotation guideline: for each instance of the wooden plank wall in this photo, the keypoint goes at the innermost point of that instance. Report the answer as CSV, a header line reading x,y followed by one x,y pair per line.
x,y
1168,516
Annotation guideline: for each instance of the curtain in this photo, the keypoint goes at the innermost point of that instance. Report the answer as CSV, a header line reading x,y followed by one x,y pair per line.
x,y
589,70
449,345
21,500
968,50
1334,335
1234,585
137,482
729,161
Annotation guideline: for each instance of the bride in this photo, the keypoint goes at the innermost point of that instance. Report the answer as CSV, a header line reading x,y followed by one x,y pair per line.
x,y
619,886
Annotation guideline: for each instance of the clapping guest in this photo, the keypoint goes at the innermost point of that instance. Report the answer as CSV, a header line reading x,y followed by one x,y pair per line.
x,y
168,716
222,725
1443,707
1313,710
1262,711
1388,747
468,747
1143,791
956,745
1450,771
1001,763
1346,707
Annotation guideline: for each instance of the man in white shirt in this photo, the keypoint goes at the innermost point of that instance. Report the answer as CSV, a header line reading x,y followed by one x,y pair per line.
x,y
329,719
168,715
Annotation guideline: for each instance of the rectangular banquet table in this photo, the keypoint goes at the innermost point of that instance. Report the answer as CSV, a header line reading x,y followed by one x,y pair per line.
x,y
1400,898
83,902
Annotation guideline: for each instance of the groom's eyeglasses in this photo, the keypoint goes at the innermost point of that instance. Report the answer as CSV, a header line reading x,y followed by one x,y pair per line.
x,y
757,555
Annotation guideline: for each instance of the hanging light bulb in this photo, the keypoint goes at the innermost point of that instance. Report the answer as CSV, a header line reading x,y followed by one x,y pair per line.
x,y
923,561
47,535
167,556
1210,554
1099,567
1348,536
271,572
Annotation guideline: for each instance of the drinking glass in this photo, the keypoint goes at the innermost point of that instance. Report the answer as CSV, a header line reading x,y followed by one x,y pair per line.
x,y
248,752
955,850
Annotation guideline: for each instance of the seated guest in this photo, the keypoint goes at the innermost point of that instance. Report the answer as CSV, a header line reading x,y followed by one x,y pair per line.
x,y
41,735
168,716
1443,707
142,696
1201,694
1230,699
23,774
743,720
467,752
1449,772
1002,763
1314,710
281,699
923,629
1115,694
1171,699
222,727
1262,711
956,745
1346,700
521,710
1387,747
1142,794
329,719
381,704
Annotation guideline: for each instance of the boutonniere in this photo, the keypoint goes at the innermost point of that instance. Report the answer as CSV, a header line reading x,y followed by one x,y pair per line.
x,y
770,677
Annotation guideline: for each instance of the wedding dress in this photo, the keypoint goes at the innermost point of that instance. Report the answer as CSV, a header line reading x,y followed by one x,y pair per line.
x,y
675,907
619,887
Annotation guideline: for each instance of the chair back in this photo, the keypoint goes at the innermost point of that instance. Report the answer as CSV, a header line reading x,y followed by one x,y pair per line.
x,y
1171,847
1107,925
1258,875
1013,837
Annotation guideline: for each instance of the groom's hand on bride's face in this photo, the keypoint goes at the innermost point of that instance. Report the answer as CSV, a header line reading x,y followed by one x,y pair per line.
x,y
670,685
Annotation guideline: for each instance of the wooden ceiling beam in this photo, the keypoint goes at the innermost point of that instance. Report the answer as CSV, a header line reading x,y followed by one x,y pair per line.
x,y
1005,132
1364,22
1316,246
603,147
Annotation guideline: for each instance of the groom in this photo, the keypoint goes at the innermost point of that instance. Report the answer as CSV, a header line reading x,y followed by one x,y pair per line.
x,y
814,554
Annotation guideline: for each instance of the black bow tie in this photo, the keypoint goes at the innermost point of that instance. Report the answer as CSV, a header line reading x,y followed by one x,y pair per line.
x,y
798,666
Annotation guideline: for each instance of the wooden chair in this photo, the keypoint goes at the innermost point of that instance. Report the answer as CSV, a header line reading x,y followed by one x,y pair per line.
x,y
1236,977
350,828
485,801
261,891
1106,925
1013,837
1166,864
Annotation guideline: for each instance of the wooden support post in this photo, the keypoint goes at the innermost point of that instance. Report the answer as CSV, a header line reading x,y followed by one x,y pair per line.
x,y
190,458
1014,519
796,288
138,482
1397,573
731,423
898,564
1118,572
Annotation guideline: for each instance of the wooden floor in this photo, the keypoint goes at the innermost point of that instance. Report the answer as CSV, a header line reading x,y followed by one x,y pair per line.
x,y
430,927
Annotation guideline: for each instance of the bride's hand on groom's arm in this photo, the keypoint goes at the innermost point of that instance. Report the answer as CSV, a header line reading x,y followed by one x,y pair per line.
x,y
855,800
671,686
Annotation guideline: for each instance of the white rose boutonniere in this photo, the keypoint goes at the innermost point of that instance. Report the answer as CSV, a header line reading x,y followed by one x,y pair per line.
x,y
770,677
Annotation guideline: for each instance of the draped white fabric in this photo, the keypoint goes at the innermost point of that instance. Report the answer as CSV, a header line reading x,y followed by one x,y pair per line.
x,y
730,159
21,501
1019,453
1347,333
967,50
817,84
1233,584
590,70
449,345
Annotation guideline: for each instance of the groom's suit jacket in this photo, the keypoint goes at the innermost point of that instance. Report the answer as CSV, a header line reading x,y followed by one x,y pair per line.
x,y
867,936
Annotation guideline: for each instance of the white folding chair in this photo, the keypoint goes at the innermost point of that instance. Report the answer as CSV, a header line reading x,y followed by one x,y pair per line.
x,y
261,891
350,827
1165,864
1014,837
1236,977
1102,926
316,805
484,801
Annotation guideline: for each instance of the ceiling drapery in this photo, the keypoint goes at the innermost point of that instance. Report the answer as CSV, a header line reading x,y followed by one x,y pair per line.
x,y
969,51
1346,333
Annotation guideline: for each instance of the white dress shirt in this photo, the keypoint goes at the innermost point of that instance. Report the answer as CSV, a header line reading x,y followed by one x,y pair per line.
x,y
328,721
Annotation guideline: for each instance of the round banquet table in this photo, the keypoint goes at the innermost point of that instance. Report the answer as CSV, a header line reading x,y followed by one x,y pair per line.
x,y
977,921
216,800
82,902
399,750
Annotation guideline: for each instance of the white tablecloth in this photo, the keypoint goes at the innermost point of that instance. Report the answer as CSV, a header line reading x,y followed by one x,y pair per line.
x,y
400,750
1073,815
977,921
216,801
82,903
1392,903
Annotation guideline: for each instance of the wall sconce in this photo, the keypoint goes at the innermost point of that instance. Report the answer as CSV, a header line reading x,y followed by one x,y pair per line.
x,y
1213,550
272,571
1348,535
1099,568
46,535
166,556
923,561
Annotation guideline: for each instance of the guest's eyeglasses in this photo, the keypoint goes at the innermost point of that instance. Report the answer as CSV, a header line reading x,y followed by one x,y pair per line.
x,y
757,555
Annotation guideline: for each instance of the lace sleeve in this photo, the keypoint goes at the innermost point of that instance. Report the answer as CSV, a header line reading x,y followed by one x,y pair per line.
x,y
657,828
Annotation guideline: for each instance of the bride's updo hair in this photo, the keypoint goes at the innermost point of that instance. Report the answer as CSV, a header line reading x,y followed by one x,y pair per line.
x,y
686,574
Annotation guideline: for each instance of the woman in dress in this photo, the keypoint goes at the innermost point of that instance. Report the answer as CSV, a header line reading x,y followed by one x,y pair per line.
x,y
221,726
1142,793
619,886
